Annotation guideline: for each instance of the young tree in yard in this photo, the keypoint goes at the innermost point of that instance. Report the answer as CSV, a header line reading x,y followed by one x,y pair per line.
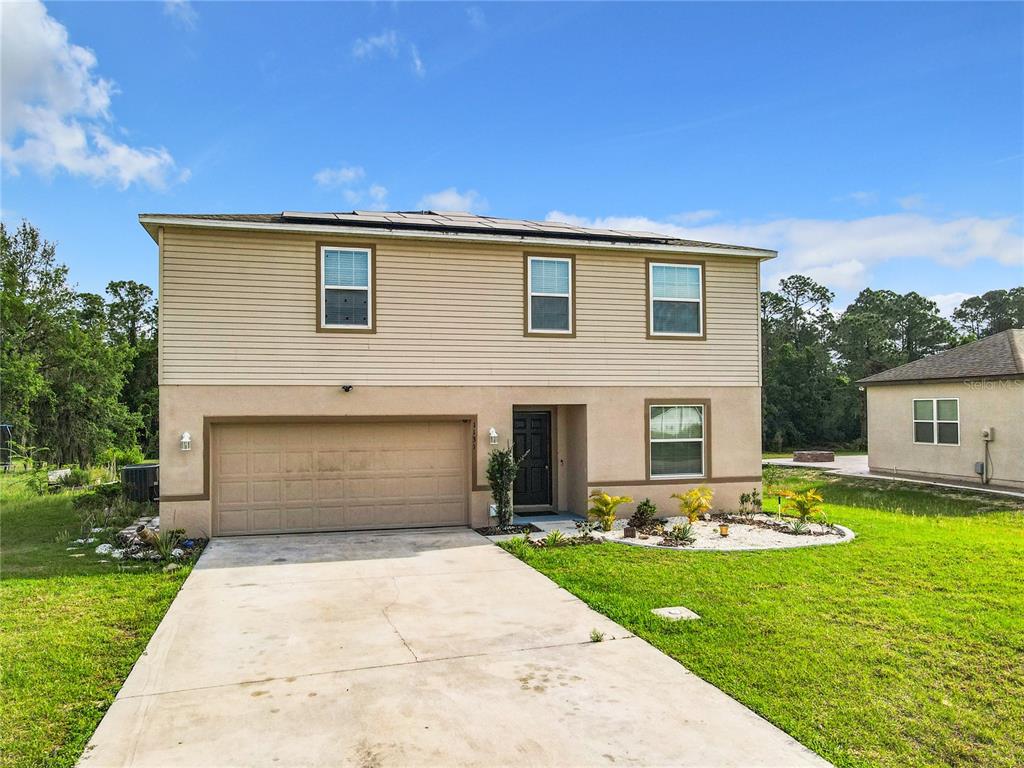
x,y
502,468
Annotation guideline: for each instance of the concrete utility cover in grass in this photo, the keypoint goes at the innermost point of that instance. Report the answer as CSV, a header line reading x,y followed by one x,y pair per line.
x,y
675,613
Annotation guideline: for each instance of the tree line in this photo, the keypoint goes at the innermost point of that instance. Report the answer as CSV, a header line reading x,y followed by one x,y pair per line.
x,y
78,371
812,357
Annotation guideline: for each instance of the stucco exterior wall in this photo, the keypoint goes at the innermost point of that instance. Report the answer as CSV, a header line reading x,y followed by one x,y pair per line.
x,y
600,435
997,403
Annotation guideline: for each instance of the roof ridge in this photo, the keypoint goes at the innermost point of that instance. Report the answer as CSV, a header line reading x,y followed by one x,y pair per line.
x,y
1018,358
992,356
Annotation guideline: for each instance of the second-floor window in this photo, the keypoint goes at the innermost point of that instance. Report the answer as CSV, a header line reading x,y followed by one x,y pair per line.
x,y
549,295
346,290
676,296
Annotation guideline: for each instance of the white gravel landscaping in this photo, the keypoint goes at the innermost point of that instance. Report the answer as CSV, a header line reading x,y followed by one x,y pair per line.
x,y
741,536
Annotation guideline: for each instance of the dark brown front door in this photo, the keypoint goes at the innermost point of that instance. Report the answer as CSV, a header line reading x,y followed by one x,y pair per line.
x,y
531,435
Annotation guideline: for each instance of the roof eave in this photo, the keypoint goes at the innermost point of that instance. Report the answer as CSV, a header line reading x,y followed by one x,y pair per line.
x,y
151,222
939,379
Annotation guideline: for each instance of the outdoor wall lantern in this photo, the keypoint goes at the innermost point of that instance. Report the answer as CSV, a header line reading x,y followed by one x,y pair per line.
x,y
492,433
186,441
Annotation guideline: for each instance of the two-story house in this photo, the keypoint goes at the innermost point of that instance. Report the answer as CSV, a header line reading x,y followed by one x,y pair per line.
x,y
323,371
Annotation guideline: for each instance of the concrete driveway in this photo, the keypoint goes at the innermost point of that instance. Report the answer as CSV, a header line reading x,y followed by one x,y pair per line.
x,y
409,648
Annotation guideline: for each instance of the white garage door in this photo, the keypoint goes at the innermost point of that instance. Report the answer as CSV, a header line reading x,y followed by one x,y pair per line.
x,y
290,477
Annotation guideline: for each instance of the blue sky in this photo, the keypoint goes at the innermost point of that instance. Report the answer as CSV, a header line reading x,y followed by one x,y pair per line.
x,y
873,144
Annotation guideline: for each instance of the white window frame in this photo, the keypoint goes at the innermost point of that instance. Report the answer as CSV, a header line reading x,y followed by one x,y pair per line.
x,y
652,298
652,440
530,293
934,421
324,288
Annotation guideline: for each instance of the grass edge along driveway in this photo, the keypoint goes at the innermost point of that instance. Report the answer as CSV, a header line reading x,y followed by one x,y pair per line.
x,y
70,629
904,647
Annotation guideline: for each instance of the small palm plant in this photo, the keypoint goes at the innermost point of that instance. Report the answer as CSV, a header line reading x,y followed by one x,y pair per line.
x,y
803,505
695,502
603,506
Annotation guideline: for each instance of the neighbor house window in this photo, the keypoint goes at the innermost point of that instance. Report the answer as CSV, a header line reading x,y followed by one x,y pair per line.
x,y
549,294
676,298
676,440
346,290
937,421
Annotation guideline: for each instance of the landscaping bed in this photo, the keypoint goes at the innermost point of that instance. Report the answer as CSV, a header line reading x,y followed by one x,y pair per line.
x,y
749,532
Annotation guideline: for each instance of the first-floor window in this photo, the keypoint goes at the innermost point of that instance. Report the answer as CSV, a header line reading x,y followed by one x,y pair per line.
x,y
937,421
676,440
346,290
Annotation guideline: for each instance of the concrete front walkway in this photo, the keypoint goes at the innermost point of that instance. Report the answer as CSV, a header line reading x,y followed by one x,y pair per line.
x,y
409,648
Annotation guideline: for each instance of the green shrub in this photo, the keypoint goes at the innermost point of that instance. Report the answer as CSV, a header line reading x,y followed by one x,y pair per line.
x,y
122,457
519,546
695,502
681,534
805,504
502,468
644,515
75,478
603,506
554,538
166,541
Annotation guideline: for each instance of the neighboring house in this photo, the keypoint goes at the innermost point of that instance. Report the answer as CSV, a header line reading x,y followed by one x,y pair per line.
x,y
353,370
955,416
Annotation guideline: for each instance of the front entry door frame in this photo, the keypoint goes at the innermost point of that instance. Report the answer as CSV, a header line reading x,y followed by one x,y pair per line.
x,y
552,459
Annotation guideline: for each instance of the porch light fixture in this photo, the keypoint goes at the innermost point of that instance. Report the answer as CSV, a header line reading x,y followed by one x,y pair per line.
x,y
492,434
186,441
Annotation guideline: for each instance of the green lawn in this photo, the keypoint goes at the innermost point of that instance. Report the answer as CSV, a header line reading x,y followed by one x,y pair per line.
x,y
70,628
789,454
904,647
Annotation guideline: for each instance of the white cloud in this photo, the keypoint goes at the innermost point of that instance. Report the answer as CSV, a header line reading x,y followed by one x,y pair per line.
x,y
417,63
368,47
182,12
56,109
476,17
862,197
949,301
348,178
451,199
841,253
388,43
911,202
335,177
694,217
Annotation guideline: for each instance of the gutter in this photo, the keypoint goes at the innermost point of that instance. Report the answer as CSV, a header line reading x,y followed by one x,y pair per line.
x,y
151,222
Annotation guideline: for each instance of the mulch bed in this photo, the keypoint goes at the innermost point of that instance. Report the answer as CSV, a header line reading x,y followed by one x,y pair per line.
x,y
497,530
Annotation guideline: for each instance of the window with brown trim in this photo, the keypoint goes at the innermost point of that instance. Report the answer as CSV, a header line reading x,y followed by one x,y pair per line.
x,y
346,288
549,295
676,440
675,295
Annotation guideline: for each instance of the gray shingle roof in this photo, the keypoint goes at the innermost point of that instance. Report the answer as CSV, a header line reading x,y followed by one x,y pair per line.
x,y
1001,354
454,222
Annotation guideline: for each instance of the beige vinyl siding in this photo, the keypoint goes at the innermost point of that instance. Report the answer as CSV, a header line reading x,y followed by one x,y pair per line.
x,y
238,308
